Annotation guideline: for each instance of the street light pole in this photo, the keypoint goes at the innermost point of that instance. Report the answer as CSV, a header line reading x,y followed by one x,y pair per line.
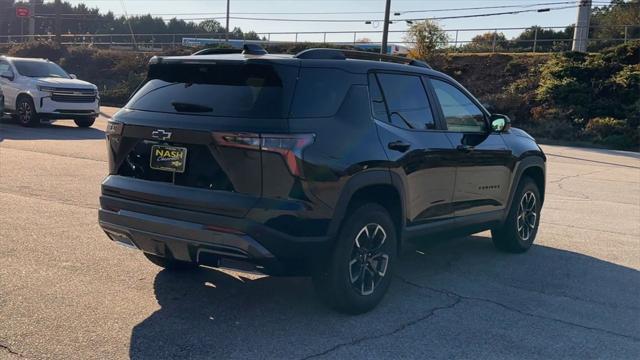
x,y
227,28
581,31
32,18
385,28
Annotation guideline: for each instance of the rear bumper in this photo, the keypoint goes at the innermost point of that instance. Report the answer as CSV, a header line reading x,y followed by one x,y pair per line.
x,y
200,236
188,241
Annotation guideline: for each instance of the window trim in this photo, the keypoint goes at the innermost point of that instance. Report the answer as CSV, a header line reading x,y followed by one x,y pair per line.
x,y
437,117
466,93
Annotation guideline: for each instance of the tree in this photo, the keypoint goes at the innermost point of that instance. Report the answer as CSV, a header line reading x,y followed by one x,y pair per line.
x,y
426,36
211,26
485,42
546,39
608,22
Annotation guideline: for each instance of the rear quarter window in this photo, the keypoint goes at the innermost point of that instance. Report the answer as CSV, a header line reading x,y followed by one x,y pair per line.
x,y
320,92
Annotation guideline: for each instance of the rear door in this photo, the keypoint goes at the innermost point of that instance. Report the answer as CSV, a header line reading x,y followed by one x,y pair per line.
x,y
483,160
418,149
202,126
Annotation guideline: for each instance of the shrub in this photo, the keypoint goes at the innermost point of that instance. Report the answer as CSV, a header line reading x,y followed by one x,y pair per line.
x,y
612,132
38,49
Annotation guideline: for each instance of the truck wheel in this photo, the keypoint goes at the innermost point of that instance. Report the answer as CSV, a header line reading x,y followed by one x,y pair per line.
x,y
85,122
519,230
26,112
169,263
358,272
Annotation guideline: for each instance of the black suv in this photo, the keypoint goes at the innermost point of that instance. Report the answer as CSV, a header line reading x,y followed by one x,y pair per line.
x,y
322,164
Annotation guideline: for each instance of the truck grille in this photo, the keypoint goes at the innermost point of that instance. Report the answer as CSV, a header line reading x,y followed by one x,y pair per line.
x,y
73,98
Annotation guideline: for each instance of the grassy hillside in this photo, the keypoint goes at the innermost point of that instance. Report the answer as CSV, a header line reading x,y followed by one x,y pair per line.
x,y
571,97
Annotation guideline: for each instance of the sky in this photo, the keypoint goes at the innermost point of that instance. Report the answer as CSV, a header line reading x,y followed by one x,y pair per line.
x,y
196,8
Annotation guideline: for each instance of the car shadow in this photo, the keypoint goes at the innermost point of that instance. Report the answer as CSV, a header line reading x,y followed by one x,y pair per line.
x,y
10,129
214,314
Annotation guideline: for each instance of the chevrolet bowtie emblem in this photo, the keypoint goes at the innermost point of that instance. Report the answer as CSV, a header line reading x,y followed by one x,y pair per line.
x,y
161,134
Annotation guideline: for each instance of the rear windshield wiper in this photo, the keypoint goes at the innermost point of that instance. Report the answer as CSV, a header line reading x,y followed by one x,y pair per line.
x,y
188,107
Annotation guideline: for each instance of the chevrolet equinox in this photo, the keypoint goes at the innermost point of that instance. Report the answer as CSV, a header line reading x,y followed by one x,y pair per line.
x,y
322,164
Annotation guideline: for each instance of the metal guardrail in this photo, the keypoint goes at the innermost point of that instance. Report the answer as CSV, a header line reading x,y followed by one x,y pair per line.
x,y
149,41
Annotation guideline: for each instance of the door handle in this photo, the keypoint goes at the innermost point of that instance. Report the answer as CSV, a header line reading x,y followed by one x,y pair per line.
x,y
399,146
464,148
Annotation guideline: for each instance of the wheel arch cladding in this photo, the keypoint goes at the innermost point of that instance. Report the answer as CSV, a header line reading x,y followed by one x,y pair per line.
x,y
385,195
537,175
23,95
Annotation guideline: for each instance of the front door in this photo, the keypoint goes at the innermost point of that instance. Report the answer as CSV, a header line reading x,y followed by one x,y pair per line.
x,y
484,163
419,152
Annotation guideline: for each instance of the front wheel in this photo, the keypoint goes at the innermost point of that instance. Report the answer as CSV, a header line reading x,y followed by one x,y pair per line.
x,y
358,272
519,231
85,122
26,112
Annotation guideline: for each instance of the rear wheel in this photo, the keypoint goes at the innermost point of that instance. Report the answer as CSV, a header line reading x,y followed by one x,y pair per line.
x,y
169,263
358,272
519,231
85,122
26,112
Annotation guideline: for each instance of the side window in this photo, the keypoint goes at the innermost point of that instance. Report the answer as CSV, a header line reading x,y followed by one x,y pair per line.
x,y
378,106
4,66
407,101
460,113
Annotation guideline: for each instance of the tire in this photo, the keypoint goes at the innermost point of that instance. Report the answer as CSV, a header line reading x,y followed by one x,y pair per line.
x,y
169,263
520,228
26,112
85,122
345,284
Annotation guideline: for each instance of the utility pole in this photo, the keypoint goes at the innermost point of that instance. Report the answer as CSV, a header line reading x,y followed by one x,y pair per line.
x,y
385,28
32,18
581,31
226,34
57,21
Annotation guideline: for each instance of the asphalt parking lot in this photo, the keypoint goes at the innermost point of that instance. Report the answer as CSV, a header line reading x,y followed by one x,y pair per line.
x,y
67,292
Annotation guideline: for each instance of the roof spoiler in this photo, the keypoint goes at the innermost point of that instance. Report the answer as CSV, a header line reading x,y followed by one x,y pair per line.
x,y
338,54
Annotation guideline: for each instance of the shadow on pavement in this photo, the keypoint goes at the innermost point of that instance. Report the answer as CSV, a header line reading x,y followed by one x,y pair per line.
x,y
210,314
60,130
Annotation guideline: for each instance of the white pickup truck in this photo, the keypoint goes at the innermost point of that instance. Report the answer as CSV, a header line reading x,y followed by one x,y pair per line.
x,y
38,90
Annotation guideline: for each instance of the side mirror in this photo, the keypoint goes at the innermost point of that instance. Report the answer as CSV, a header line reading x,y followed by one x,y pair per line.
x,y
7,75
73,76
500,123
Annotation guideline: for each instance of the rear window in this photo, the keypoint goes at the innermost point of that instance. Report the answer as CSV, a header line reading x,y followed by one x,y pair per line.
x,y
229,90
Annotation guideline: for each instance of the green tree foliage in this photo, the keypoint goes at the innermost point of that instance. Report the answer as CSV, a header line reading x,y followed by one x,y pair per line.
x,y
80,19
486,42
585,87
545,39
609,23
425,37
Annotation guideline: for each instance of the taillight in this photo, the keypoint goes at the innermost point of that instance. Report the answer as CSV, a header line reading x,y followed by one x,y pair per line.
x,y
114,128
289,146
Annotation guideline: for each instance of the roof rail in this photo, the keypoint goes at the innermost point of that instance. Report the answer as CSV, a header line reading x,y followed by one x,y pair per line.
x,y
217,51
251,49
339,54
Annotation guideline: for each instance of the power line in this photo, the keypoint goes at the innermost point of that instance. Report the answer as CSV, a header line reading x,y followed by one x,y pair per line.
x,y
380,20
397,12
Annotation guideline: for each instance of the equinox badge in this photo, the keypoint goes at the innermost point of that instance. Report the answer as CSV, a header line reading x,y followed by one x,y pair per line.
x,y
161,134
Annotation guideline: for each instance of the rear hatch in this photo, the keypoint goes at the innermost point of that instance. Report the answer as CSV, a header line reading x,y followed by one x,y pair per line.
x,y
201,125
